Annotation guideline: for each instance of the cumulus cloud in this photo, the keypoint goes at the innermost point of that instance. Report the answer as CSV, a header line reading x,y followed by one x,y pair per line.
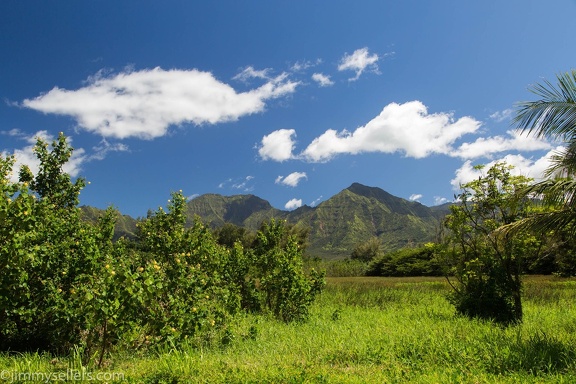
x,y
15,132
359,61
145,103
26,156
278,145
407,128
293,204
484,147
522,166
415,197
322,80
292,179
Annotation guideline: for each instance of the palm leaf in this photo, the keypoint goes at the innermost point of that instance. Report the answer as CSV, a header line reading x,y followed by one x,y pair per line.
x,y
543,223
554,115
563,162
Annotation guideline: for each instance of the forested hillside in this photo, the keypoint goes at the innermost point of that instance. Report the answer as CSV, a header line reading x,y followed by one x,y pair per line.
x,y
354,215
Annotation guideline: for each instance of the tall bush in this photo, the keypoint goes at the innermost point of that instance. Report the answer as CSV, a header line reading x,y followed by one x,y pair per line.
x,y
283,287
46,251
487,266
65,283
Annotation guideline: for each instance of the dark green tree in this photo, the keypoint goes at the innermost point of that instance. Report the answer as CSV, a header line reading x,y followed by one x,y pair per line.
x,y
368,250
229,233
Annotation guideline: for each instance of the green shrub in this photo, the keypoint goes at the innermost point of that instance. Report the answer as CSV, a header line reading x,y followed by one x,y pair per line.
x,y
278,273
46,252
66,285
419,261
486,265
368,250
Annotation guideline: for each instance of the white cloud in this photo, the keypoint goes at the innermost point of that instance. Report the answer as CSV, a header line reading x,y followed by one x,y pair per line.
x,y
278,145
251,73
145,103
300,66
15,132
102,149
292,179
522,166
415,197
484,147
26,156
244,184
359,61
438,200
407,128
500,116
316,202
322,80
293,204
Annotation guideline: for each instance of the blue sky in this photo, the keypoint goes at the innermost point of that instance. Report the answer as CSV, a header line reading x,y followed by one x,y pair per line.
x,y
291,101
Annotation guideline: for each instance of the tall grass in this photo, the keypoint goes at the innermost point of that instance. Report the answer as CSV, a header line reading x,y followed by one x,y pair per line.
x,y
372,330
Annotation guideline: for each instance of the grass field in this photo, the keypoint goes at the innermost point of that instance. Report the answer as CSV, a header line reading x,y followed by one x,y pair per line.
x,y
362,330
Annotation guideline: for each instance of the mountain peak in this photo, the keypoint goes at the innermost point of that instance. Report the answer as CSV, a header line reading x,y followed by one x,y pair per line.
x,y
366,191
396,204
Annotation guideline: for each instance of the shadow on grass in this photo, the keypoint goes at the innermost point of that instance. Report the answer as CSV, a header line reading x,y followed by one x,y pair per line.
x,y
539,354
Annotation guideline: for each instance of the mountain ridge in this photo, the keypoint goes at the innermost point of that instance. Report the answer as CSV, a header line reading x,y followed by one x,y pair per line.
x,y
336,225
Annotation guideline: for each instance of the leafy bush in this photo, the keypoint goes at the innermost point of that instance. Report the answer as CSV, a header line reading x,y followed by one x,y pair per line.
x,y
419,261
46,252
183,272
367,251
65,284
487,265
278,273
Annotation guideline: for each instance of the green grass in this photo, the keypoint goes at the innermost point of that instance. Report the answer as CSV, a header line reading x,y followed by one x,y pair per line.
x,y
368,330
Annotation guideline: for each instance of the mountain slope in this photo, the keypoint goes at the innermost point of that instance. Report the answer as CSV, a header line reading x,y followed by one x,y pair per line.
x,y
125,225
337,225
243,210
359,213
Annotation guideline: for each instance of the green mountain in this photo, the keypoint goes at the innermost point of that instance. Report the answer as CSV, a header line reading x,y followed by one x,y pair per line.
x,y
337,225
359,213
244,210
125,225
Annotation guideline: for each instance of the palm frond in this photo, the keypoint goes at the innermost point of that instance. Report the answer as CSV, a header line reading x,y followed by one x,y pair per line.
x,y
542,223
553,117
559,192
563,162
555,114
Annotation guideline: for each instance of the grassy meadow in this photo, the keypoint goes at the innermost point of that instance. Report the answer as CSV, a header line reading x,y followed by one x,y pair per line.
x,y
361,330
